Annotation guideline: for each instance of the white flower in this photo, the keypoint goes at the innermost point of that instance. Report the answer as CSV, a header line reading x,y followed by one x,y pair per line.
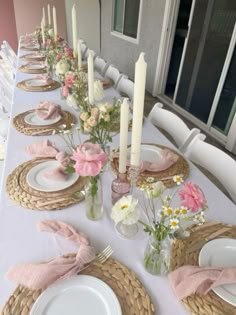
x,y
98,90
62,67
71,101
126,210
178,179
155,190
174,224
50,32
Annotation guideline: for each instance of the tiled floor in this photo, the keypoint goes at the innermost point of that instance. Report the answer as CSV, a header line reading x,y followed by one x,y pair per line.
x,y
150,101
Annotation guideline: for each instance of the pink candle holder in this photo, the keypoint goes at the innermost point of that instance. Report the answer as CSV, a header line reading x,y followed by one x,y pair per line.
x,y
120,187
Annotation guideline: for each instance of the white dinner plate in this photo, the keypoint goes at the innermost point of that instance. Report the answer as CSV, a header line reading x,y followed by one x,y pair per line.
x,y
33,119
82,294
221,253
149,153
36,82
35,66
36,179
34,56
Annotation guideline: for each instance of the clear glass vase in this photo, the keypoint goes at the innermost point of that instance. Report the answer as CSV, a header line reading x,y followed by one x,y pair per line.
x,y
93,199
127,230
157,256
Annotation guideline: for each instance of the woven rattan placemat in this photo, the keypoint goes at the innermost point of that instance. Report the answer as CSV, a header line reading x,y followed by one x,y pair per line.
x,y
209,304
27,57
49,87
25,69
130,292
181,167
19,191
31,130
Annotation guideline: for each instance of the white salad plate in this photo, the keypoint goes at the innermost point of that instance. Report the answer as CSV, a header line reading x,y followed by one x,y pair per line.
x,y
37,180
221,253
82,294
149,153
33,119
36,82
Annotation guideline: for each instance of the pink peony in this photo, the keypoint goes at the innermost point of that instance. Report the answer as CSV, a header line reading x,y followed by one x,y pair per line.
x,y
58,57
68,52
192,196
69,80
90,159
65,91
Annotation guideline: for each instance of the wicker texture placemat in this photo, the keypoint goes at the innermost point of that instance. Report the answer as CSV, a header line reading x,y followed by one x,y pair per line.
x,y
31,130
209,304
25,69
180,167
28,58
49,87
130,292
19,191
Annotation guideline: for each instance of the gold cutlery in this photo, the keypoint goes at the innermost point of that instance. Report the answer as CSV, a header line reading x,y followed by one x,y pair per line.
x,y
104,255
212,236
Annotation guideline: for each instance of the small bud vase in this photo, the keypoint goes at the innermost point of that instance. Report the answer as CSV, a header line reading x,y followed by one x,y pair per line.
x,y
93,199
127,231
157,256
120,187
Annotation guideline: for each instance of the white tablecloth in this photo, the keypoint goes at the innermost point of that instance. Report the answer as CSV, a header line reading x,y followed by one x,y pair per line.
x,y
20,242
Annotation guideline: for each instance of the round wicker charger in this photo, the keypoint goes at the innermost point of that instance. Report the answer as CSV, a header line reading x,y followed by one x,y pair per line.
x,y
181,167
131,294
25,69
31,130
209,304
19,191
45,88
28,57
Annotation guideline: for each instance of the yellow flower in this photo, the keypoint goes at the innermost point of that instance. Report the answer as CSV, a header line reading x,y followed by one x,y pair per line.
x,y
150,179
184,211
174,224
178,179
177,211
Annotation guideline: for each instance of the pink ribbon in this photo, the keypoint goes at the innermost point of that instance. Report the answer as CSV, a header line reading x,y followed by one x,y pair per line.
x,y
40,276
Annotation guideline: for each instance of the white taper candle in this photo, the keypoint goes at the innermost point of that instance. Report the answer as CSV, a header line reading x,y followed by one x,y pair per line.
x,y
124,125
49,16
79,56
43,34
138,106
74,31
90,77
44,17
54,14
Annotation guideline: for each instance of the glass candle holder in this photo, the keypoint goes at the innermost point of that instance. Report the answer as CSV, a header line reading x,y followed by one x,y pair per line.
x,y
120,187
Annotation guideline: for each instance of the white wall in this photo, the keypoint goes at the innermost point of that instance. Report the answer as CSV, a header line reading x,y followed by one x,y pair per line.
x,y
88,22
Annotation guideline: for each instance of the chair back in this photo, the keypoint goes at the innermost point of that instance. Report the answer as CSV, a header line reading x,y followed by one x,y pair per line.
x,y
100,65
113,74
126,88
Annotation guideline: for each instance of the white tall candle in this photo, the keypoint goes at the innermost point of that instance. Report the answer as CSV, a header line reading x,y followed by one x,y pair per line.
x,y
74,31
124,125
43,34
138,106
54,14
49,16
44,17
79,56
90,77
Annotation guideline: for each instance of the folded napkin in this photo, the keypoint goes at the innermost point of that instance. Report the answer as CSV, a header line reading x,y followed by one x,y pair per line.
x,y
46,149
40,276
50,112
188,280
167,159
44,77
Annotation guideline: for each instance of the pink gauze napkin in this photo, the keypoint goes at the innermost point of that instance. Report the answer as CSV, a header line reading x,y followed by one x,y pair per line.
x,y
46,149
188,280
44,77
47,110
40,276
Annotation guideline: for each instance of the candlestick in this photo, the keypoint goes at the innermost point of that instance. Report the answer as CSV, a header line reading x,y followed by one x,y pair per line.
x,y
90,77
54,15
138,106
124,125
44,18
43,34
79,56
49,16
74,31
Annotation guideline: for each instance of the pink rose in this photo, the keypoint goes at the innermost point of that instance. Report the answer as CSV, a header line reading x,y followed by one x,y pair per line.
x,y
58,57
92,121
95,112
84,116
192,196
68,52
69,80
90,159
65,91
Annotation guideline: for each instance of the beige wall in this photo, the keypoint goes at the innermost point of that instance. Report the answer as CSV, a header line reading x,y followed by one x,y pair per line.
x,y
28,15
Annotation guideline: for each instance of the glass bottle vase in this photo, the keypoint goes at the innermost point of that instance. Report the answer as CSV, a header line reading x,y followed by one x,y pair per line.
x,y
93,199
157,256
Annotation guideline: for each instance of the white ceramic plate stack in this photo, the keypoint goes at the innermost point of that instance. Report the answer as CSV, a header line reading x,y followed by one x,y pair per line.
x,y
34,120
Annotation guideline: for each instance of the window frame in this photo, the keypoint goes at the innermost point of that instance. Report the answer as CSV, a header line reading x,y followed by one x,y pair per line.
x,y
121,35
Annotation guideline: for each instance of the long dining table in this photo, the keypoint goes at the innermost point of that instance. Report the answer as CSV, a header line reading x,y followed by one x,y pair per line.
x,y
20,242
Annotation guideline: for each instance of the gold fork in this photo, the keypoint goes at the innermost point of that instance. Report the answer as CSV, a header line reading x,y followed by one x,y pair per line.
x,y
104,255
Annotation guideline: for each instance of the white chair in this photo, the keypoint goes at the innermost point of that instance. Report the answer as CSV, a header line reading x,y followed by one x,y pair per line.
x,y
173,125
113,74
215,161
4,126
8,60
86,53
126,87
10,51
100,65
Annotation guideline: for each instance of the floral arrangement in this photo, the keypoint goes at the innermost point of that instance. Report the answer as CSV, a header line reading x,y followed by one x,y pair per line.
x,y
65,64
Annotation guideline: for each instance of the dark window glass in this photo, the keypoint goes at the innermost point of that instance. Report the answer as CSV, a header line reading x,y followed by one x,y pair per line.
x,y
131,18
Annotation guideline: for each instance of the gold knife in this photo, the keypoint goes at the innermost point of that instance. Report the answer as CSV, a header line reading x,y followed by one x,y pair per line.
x,y
200,244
